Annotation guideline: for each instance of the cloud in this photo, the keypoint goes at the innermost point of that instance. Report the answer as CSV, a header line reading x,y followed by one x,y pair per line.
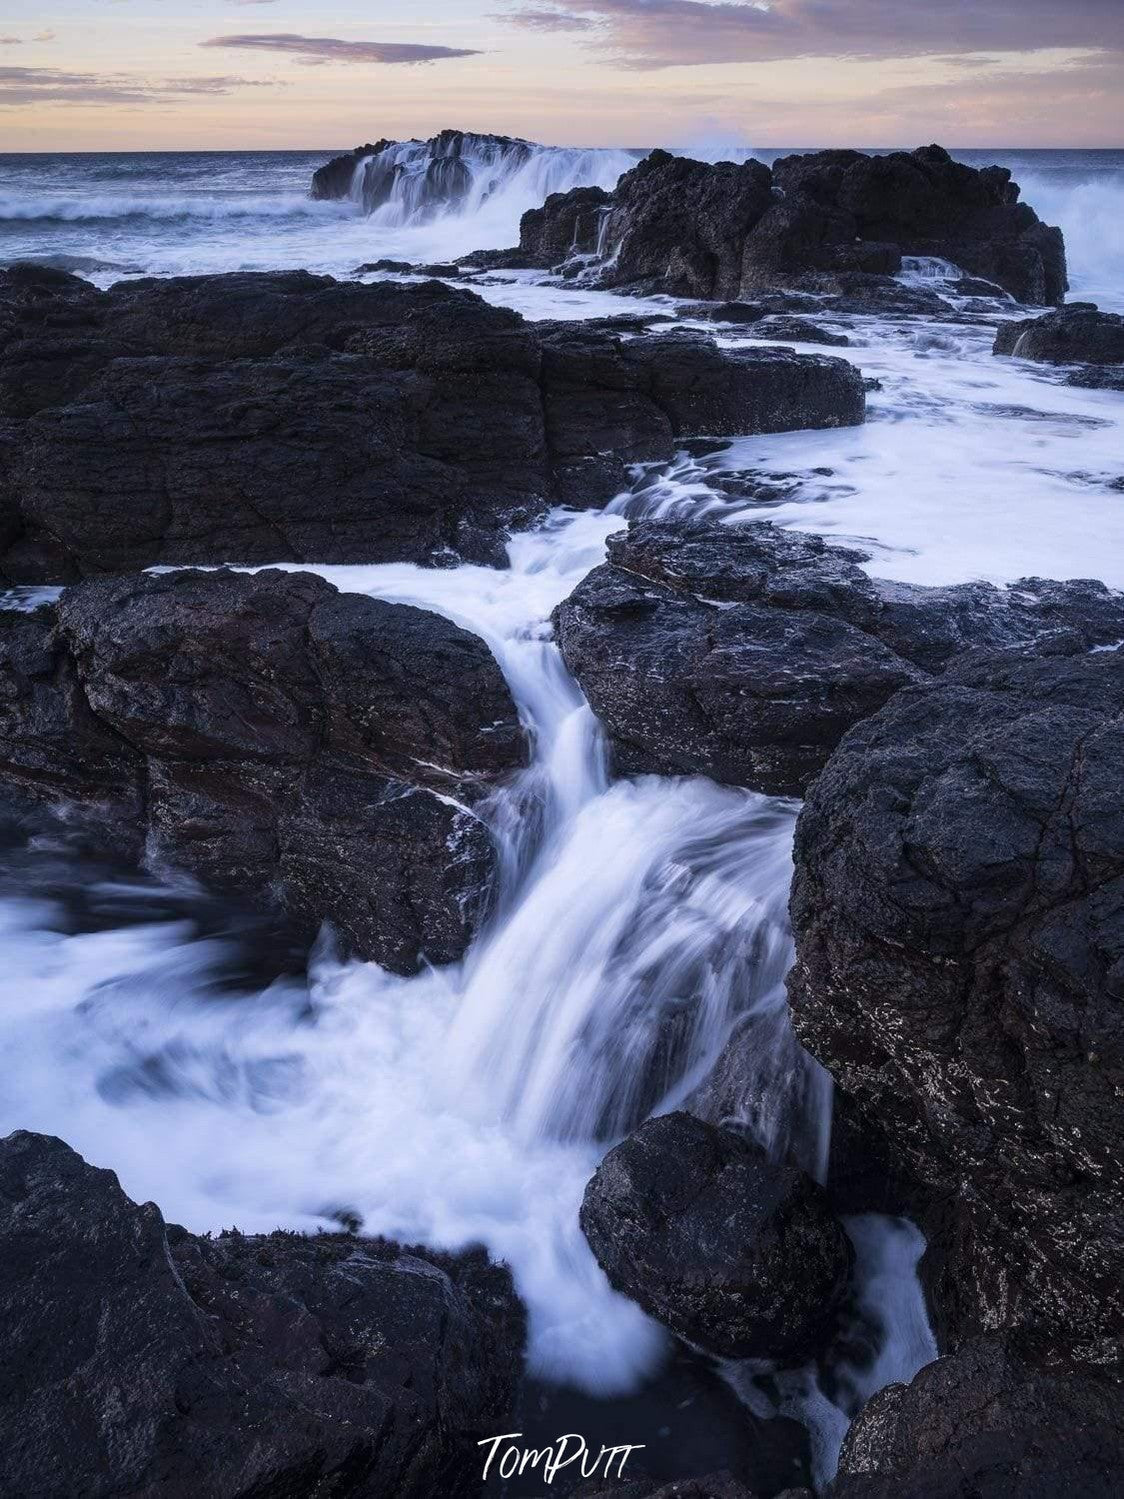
x,y
23,86
11,41
320,49
44,36
534,19
671,33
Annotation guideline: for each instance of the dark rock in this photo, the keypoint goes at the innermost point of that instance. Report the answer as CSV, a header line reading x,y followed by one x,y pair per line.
x,y
398,267
714,1486
299,747
1077,334
1097,377
143,1359
684,223
723,312
567,224
334,179
799,330
736,1254
289,417
745,652
958,907
439,269
998,1420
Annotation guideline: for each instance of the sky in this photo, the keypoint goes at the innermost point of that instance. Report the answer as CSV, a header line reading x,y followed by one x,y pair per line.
x,y
222,74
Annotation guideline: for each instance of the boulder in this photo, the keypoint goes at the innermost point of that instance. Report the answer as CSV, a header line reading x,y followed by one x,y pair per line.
x,y
146,1360
1077,334
745,652
958,908
335,178
266,417
298,747
998,1420
735,1253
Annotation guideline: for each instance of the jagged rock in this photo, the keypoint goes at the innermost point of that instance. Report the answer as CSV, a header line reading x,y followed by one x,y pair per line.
x,y
288,417
683,224
736,1254
296,746
745,652
1077,334
799,330
143,1359
567,224
335,177
995,1421
958,906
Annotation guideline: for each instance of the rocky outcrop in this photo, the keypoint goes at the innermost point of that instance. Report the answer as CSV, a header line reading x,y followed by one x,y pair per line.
x,y
288,417
819,221
736,1254
1077,334
682,225
143,1359
425,176
567,224
745,652
958,906
301,748
998,1418
335,178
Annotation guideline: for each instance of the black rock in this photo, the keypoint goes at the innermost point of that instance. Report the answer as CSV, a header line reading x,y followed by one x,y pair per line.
x,y
567,224
398,267
334,179
142,1359
745,652
1077,334
958,905
799,330
288,417
296,746
998,1420
736,1254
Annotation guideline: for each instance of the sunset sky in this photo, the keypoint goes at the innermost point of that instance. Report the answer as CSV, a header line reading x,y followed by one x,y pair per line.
x,y
113,74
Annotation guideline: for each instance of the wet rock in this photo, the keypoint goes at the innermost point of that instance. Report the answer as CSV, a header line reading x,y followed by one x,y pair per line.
x,y
144,1359
746,652
684,223
958,905
288,417
734,1253
566,225
723,312
799,330
998,1418
307,750
715,1486
1077,334
396,267
335,177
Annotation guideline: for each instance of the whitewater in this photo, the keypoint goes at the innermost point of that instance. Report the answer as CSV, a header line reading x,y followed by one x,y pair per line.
x,y
472,1103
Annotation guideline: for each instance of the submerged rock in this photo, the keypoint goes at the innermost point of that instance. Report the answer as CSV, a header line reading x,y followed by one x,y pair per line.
x,y
998,1418
299,747
745,652
958,907
143,1359
734,1253
1077,334
287,417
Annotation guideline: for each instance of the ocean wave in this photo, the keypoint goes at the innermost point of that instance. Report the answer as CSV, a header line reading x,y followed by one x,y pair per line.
x,y
75,208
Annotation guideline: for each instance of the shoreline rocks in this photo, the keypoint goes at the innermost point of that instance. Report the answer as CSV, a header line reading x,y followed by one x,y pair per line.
x,y
269,417
143,1358
305,750
736,1254
1076,334
958,909
745,652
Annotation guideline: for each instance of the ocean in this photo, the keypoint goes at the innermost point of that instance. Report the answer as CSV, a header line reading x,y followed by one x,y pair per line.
x,y
115,214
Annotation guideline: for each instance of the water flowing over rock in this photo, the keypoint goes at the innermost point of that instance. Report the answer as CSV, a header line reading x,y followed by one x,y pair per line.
x,y
293,745
288,417
958,906
830,222
141,1358
1077,334
1000,1418
745,652
421,176
738,1255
